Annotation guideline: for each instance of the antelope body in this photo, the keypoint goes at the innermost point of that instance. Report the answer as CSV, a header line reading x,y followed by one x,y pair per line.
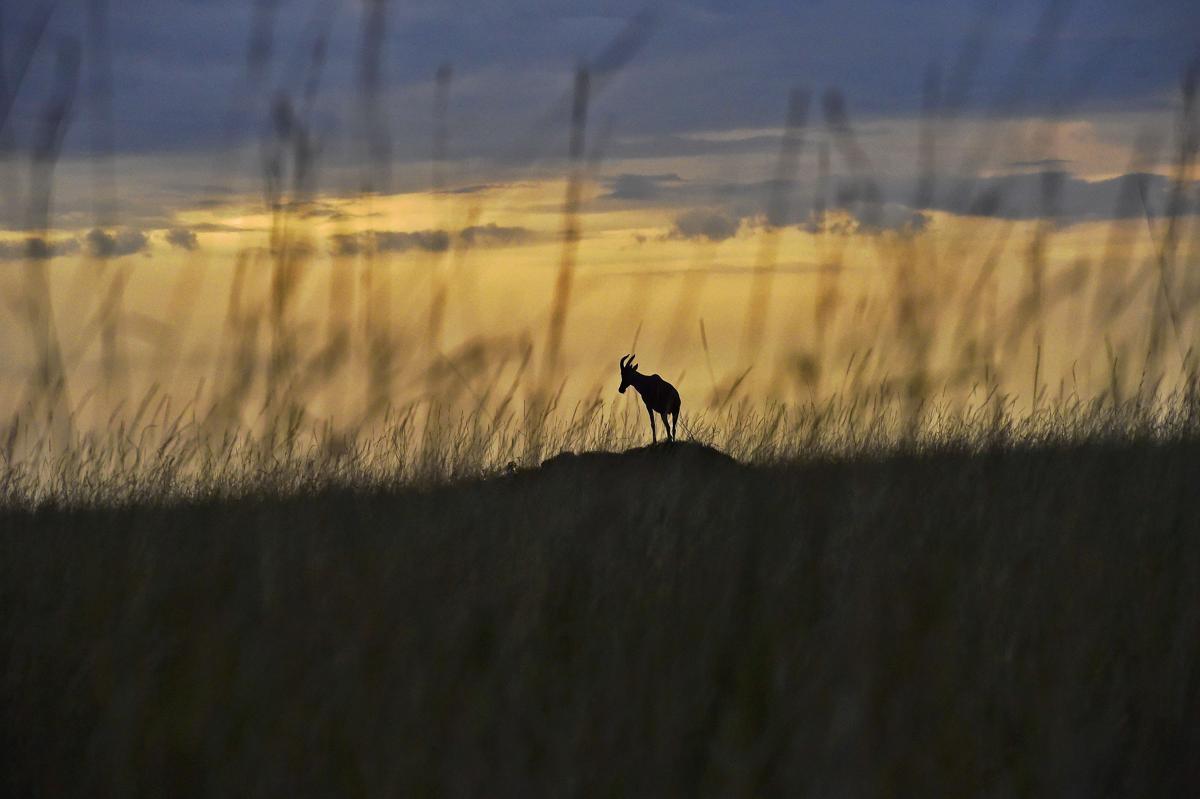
x,y
659,395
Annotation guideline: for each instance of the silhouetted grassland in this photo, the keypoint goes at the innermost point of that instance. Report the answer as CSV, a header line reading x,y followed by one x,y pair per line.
x,y
987,620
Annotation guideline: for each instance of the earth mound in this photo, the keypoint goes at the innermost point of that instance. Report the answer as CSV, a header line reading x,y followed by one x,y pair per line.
x,y
665,454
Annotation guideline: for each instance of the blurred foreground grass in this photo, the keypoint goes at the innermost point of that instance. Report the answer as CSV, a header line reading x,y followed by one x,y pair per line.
x,y
976,605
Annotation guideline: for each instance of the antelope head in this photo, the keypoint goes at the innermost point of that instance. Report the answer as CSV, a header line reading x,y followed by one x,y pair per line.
x,y
628,369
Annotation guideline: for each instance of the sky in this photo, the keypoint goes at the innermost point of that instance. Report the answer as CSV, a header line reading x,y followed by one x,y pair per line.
x,y
194,81
717,137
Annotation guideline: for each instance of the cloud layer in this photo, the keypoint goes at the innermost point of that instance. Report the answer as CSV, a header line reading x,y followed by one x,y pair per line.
x,y
429,241
849,205
96,243
190,75
701,224
102,244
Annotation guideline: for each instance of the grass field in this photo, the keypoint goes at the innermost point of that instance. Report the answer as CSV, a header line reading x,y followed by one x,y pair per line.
x,y
987,620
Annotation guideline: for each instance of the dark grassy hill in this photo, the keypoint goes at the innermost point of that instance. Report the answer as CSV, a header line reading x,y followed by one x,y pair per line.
x,y
665,621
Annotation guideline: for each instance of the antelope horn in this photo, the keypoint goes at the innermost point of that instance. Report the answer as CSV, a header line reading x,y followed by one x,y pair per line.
x,y
623,361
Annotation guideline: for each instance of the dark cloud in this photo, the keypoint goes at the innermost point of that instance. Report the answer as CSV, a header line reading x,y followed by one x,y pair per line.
x,y
884,218
323,212
861,204
708,64
1047,194
1050,194
37,249
493,235
679,146
431,241
102,244
423,240
96,243
711,81
639,187
701,224
346,244
1044,163
472,189
1060,196
182,238
785,268
386,241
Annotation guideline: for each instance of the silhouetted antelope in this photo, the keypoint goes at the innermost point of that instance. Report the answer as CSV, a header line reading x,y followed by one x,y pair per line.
x,y
659,395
